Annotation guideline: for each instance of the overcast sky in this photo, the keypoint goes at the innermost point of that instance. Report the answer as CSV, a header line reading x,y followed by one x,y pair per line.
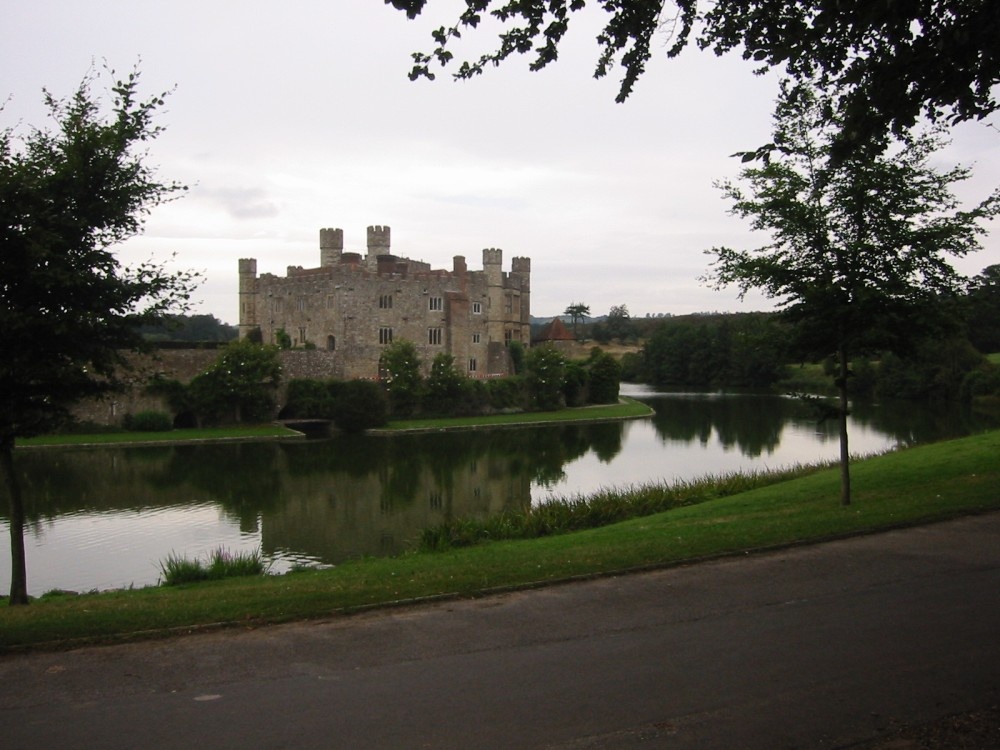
x,y
296,115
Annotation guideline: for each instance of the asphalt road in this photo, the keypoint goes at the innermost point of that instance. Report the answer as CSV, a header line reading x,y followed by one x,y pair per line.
x,y
813,647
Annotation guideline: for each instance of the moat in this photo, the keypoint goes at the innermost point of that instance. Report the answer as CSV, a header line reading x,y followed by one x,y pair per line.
x,y
104,517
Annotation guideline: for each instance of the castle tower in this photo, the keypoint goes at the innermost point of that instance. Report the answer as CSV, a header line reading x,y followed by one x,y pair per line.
x,y
248,296
331,246
521,268
378,244
493,268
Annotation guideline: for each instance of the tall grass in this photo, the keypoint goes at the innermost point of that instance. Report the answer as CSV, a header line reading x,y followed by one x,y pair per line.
x,y
605,507
221,563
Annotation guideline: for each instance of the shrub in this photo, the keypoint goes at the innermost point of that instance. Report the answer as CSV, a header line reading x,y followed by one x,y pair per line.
x,y
148,421
360,405
605,379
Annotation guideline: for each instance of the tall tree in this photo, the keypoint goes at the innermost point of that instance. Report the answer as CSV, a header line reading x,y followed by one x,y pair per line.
x,y
859,244
68,308
890,62
577,311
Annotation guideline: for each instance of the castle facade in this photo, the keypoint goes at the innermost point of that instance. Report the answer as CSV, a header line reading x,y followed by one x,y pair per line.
x,y
355,305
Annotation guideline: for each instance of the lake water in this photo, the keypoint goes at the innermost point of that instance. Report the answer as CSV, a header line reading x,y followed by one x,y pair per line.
x,y
104,518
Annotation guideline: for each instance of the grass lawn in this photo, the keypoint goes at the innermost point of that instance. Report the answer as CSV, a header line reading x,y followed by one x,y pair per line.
x,y
627,408
253,432
916,485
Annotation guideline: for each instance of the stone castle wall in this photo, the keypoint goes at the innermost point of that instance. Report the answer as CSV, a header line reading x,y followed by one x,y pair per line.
x,y
354,306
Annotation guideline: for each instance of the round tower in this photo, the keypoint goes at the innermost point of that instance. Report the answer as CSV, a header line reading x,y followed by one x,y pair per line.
x,y
248,296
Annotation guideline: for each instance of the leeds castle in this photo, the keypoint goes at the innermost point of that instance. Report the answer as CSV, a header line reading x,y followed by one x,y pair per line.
x,y
355,305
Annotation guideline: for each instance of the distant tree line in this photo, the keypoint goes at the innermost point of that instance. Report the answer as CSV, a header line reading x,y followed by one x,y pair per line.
x,y
763,350
189,328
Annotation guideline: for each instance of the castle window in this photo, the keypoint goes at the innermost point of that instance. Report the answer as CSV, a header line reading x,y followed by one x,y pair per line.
x,y
434,336
302,335
385,335
331,301
477,308
436,303
508,304
301,304
475,338
385,302
508,335
276,303
331,343
472,364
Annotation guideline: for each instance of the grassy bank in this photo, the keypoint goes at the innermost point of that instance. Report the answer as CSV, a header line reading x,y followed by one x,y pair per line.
x,y
627,408
912,486
251,432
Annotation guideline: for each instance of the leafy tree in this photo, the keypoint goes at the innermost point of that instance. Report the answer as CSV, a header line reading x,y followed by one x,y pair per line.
x,y
241,384
444,386
889,62
982,310
618,324
400,365
190,328
858,245
577,311
68,308
546,377
517,356
605,378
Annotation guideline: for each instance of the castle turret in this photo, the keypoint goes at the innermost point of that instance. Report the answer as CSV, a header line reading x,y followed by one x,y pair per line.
x,y
521,269
248,296
378,244
331,246
493,268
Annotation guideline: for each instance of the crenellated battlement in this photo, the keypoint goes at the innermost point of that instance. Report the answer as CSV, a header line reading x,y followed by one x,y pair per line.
x,y
248,266
492,256
378,239
520,265
331,239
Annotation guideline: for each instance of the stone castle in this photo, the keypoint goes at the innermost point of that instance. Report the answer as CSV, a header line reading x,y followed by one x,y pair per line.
x,y
353,306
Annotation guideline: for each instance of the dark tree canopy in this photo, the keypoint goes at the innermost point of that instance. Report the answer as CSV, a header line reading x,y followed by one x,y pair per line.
x,y
890,61
859,246
68,308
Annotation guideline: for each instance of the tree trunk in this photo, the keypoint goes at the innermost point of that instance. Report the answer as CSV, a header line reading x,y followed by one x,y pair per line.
x,y
845,454
18,569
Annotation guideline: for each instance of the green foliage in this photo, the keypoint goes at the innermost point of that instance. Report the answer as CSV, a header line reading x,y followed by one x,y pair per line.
x,y
360,405
148,421
309,399
885,61
936,370
618,324
191,328
605,378
282,340
400,365
517,356
222,563
546,376
69,311
717,351
575,377
507,394
983,383
605,507
240,386
445,387
577,312
981,309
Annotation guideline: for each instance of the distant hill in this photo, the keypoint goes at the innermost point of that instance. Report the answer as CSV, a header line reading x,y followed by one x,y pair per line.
x,y
190,328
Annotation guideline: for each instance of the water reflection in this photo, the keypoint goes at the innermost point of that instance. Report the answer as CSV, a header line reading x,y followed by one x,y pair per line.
x,y
103,517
